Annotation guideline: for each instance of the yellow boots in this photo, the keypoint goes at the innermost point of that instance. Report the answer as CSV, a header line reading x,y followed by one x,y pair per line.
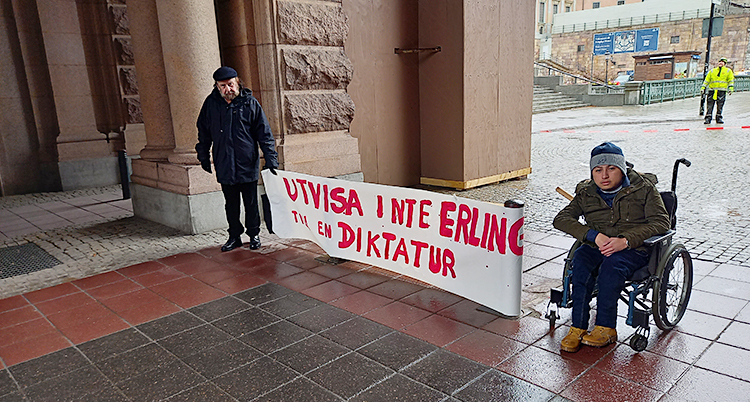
x,y
572,342
599,337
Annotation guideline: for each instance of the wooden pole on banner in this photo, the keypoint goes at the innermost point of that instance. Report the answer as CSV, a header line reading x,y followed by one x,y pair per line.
x,y
508,204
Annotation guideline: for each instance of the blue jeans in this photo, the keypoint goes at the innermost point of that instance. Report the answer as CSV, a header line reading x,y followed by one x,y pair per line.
x,y
612,274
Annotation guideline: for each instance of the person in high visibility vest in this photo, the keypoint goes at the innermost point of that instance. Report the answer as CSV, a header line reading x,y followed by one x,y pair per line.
x,y
719,81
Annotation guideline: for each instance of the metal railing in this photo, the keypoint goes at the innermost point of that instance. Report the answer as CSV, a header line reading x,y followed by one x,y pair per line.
x,y
544,64
595,87
669,90
630,21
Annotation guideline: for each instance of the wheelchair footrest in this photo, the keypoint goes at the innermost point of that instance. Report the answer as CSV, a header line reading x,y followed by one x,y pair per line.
x,y
556,296
639,318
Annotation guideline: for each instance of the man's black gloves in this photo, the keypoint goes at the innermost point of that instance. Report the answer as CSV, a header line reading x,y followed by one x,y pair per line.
x,y
206,165
273,170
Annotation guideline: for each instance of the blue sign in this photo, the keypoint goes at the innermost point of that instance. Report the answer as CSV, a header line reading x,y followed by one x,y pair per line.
x,y
604,43
642,40
647,40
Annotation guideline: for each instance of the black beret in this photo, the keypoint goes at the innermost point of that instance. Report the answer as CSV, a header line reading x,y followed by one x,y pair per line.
x,y
224,73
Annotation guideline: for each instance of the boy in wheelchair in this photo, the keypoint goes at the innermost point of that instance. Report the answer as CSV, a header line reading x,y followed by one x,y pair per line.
x,y
621,209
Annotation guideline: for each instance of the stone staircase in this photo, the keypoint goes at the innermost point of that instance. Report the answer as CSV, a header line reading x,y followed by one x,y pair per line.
x,y
547,100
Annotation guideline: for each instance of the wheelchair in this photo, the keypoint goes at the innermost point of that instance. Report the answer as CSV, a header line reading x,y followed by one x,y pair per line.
x,y
662,288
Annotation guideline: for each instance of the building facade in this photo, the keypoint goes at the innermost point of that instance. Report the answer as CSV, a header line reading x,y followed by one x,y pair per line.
x,y
389,91
679,24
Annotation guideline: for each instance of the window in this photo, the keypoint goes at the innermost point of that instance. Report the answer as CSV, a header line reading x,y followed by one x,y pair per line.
x,y
554,9
595,5
581,48
567,9
674,39
620,2
541,11
541,30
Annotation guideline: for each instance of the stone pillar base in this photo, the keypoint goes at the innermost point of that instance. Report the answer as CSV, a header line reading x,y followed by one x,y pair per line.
x,y
85,173
465,185
326,154
183,197
187,213
179,179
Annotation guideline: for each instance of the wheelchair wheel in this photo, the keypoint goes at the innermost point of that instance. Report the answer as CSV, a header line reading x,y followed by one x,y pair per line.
x,y
672,290
638,342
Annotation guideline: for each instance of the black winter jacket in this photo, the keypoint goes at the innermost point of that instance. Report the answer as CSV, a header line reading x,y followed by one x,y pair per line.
x,y
233,132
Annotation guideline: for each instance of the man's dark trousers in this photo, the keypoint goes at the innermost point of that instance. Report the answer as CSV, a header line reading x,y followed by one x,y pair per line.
x,y
249,193
613,272
721,97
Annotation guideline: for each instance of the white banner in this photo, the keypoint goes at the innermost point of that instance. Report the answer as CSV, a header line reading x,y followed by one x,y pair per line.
x,y
470,248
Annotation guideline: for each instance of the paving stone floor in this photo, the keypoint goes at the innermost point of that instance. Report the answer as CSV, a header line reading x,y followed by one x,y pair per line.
x,y
137,311
281,326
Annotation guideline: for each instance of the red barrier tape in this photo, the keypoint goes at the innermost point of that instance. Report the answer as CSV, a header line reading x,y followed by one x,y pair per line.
x,y
646,131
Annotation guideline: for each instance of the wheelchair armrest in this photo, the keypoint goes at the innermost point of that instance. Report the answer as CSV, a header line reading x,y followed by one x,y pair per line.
x,y
658,238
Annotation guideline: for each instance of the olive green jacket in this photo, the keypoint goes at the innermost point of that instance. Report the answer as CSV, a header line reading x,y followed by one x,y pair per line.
x,y
637,212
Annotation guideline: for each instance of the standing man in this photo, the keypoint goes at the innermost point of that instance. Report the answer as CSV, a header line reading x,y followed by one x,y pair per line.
x,y
621,209
718,81
232,125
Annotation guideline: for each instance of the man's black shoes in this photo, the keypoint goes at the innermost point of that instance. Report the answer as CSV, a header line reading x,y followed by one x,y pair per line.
x,y
232,244
707,121
254,243
235,242
719,120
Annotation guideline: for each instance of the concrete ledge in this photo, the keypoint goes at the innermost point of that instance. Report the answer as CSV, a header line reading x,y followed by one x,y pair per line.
x,y
549,81
633,93
86,173
577,91
187,213
604,99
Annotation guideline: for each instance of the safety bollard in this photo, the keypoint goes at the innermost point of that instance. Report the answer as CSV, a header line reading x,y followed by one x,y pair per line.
x,y
124,177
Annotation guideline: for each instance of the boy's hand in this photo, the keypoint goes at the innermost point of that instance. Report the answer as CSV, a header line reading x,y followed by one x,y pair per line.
x,y
610,245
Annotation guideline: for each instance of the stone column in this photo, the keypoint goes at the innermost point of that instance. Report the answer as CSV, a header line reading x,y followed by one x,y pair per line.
x,y
135,133
28,162
190,45
86,157
154,99
176,52
475,105
303,74
18,146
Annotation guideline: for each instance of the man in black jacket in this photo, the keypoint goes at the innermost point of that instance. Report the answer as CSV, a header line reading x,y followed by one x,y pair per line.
x,y
231,126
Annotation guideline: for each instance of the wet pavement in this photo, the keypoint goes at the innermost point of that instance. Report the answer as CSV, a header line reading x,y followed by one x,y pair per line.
x,y
136,311
713,216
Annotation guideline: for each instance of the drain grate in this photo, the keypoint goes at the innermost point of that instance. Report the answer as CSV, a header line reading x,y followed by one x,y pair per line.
x,y
24,259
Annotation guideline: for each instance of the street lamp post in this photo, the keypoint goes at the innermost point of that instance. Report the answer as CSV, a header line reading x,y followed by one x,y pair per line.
x,y
606,70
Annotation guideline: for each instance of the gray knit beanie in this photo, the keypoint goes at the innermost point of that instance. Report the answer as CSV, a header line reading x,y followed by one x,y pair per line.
x,y
608,154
